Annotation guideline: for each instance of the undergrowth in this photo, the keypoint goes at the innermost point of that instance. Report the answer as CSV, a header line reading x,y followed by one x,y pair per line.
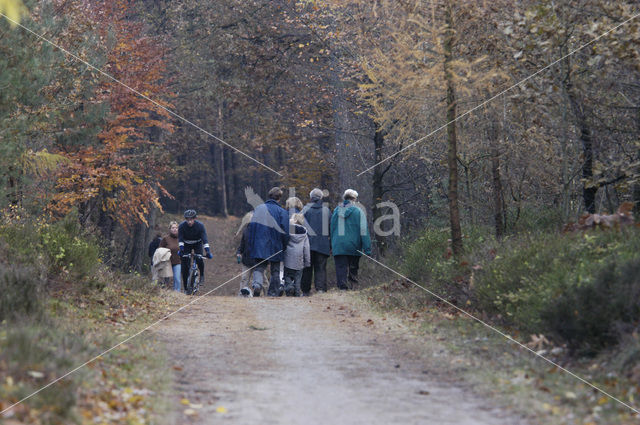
x,y
59,307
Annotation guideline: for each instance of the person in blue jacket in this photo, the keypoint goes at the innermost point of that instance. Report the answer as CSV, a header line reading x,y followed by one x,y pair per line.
x,y
268,236
192,236
349,238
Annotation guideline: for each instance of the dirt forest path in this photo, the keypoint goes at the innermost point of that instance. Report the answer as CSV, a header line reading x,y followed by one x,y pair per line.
x,y
315,360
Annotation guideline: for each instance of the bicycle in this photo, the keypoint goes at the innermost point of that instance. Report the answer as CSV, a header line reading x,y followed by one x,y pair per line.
x,y
193,280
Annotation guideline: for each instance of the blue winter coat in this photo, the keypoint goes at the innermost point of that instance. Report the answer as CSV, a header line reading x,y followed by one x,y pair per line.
x,y
317,218
268,232
349,231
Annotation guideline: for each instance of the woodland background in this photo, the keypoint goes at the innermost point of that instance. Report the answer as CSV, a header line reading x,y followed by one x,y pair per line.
x,y
320,91
486,154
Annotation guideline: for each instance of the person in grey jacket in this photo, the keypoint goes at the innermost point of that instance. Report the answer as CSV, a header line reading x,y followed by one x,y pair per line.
x,y
317,218
296,257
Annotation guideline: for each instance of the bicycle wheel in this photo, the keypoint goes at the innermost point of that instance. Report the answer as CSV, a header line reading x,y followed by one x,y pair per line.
x,y
190,282
195,281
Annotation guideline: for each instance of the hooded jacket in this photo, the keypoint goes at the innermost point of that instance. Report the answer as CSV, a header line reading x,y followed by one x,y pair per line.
x,y
349,231
317,218
268,234
297,255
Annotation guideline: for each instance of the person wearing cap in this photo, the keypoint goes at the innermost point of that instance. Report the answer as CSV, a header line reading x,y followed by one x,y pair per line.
x,y
349,239
317,217
192,236
268,236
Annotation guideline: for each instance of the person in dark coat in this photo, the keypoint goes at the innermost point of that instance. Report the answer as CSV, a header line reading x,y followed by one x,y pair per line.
x,y
317,217
192,236
268,236
155,242
349,239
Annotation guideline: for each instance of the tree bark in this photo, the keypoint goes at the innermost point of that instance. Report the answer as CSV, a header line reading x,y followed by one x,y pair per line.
x,y
223,180
636,185
497,192
589,190
454,212
377,189
496,181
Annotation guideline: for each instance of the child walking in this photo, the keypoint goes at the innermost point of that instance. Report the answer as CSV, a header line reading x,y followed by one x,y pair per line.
x,y
297,256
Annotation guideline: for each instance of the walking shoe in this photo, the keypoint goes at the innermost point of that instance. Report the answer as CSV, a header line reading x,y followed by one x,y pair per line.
x,y
257,288
245,292
289,291
280,291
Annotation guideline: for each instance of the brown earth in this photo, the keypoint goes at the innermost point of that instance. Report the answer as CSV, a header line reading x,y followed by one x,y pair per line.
x,y
321,359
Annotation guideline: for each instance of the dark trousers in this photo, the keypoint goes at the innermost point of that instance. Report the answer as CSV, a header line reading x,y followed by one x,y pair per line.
x,y
275,284
319,269
292,282
186,262
346,269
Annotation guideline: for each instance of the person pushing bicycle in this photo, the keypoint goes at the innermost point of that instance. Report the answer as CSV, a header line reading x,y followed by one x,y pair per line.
x,y
192,236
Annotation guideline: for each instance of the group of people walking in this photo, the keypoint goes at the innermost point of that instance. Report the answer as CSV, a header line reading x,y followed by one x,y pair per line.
x,y
293,242
301,239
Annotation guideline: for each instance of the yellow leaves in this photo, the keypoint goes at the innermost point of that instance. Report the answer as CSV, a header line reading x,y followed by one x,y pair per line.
x,y
221,410
42,162
555,410
14,11
185,402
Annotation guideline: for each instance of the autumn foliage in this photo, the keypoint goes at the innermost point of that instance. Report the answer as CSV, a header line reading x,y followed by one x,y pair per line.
x,y
120,173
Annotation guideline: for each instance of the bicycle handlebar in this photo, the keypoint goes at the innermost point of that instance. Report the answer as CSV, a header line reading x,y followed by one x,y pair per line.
x,y
195,255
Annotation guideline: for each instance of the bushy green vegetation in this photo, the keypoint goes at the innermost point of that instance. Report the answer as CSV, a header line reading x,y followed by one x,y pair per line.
x,y
60,247
54,298
579,289
428,259
21,293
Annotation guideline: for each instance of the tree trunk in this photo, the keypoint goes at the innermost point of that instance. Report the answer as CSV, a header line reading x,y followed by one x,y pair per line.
x,y
496,182
223,180
636,193
589,190
454,212
636,186
497,192
377,189
467,182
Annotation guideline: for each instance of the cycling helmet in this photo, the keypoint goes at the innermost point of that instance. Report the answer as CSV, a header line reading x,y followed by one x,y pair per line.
x,y
190,214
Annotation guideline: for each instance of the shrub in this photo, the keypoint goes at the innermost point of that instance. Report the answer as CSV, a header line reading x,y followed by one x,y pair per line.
x,y
592,316
60,247
21,292
427,260
50,351
563,285
535,219
68,249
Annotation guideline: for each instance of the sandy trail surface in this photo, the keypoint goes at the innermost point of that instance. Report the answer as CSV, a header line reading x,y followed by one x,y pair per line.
x,y
315,360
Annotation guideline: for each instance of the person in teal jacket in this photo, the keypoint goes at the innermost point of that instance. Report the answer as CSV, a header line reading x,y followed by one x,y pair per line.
x,y
349,239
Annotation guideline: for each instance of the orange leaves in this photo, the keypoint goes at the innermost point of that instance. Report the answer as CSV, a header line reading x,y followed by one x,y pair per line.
x,y
119,174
